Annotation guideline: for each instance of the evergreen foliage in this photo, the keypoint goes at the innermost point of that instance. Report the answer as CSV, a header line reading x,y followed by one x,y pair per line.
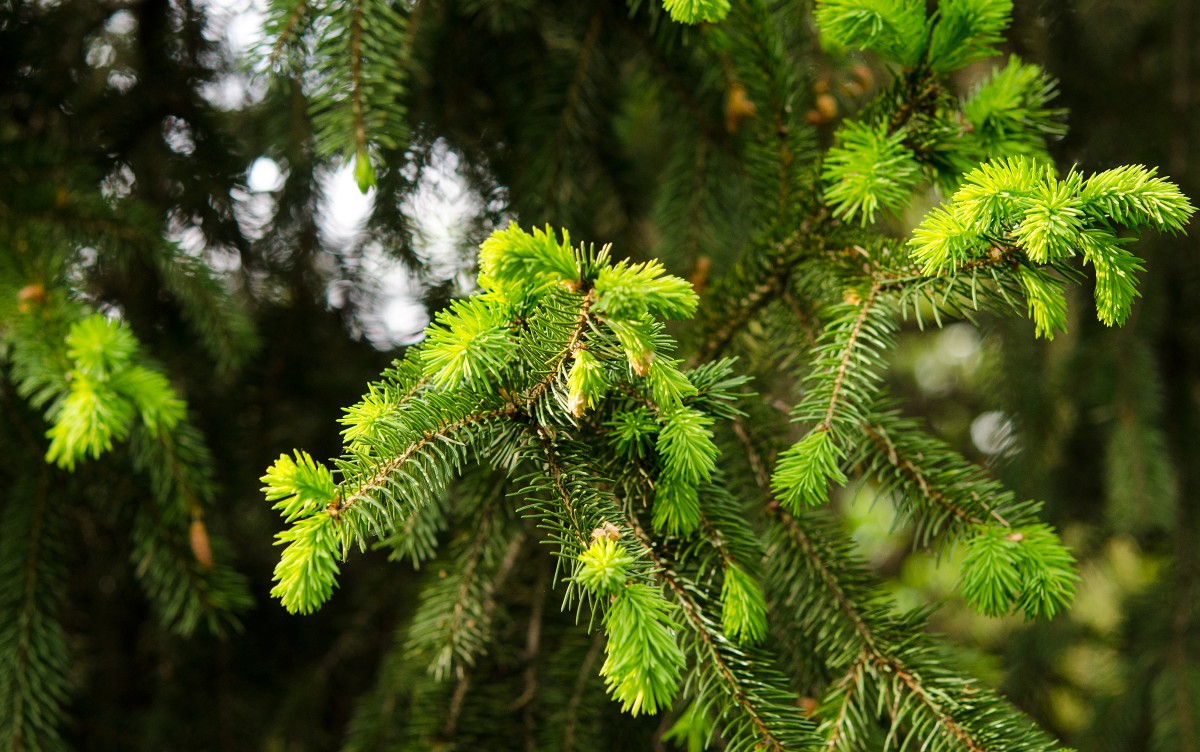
x,y
352,55
558,372
620,489
479,389
1014,204
109,484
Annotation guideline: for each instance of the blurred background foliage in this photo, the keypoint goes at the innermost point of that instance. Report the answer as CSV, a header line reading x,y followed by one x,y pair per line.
x,y
124,122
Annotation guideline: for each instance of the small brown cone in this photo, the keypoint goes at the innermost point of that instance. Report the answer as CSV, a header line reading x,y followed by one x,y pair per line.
x,y
201,548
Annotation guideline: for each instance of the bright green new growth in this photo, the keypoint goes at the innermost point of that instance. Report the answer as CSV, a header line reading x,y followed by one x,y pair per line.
x,y
471,343
870,169
299,487
668,385
688,457
307,571
743,607
1026,568
685,445
630,292
1017,209
526,262
804,472
586,382
644,662
676,506
604,566
697,11
894,30
106,392
1009,111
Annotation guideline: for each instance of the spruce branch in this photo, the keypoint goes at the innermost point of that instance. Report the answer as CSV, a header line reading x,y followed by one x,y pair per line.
x,y
765,720
848,355
416,537
644,664
471,343
373,416
187,588
573,105
707,639
965,31
889,675
106,390
452,624
894,30
356,95
842,385
381,477
370,496
34,658
560,371
724,530
588,514
554,364
760,276
877,667
743,609
757,59
1027,568
182,565
947,498
284,23
938,489
1016,202
766,713
216,315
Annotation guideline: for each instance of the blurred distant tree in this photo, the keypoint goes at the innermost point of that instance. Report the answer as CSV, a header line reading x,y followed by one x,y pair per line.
x,y
132,297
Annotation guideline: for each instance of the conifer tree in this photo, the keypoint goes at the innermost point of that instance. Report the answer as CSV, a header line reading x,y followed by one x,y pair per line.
x,y
606,478
633,481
